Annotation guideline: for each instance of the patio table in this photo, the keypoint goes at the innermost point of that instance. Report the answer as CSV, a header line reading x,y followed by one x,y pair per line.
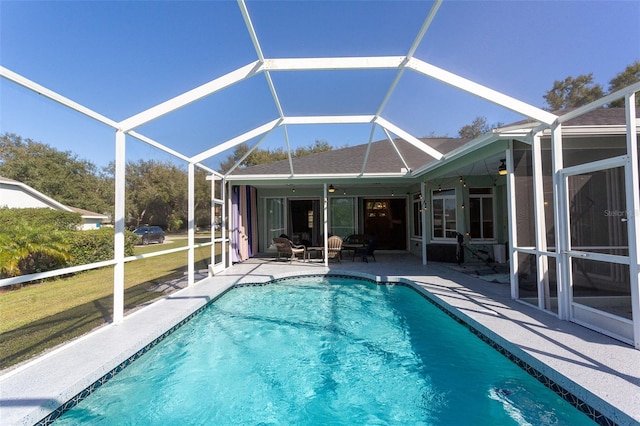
x,y
352,247
314,250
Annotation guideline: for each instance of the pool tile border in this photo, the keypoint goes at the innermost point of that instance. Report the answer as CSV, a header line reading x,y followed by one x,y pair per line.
x,y
582,406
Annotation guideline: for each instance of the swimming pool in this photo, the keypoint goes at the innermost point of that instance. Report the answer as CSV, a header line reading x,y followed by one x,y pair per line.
x,y
320,350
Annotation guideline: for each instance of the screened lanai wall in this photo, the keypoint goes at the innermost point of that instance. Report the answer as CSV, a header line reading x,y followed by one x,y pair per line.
x,y
573,197
530,246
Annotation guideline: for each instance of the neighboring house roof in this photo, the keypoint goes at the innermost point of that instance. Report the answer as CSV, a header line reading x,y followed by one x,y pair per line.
x,y
44,200
89,214
382,158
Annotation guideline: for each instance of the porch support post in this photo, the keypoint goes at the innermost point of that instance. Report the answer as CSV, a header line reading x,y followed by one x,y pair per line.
x,y
119,225
542,261
190,225
513,226
326,226
423,218
212,221
224,225
633,214
563,262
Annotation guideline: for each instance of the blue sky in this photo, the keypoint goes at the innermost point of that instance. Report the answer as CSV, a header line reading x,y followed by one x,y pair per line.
x,y
122,57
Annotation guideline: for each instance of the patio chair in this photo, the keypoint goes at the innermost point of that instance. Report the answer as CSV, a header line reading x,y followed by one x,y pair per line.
x,y
355,239
367,250
334,248
285,246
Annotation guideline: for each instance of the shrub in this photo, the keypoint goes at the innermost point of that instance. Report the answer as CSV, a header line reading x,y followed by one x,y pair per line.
x,y
28,249
10,219
97,245
39,239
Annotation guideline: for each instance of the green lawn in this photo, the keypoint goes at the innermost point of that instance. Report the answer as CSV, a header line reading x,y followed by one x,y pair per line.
x,y
40,316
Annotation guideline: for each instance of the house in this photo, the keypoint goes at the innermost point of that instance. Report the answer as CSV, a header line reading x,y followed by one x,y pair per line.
x,y
14,195
555,195
564,234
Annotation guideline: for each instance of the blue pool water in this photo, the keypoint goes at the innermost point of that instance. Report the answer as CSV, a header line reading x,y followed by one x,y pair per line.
x,y
316,351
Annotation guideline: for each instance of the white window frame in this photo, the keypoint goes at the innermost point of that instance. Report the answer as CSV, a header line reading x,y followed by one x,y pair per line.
x,y
481,197
354,213
444,195
284,203
416,215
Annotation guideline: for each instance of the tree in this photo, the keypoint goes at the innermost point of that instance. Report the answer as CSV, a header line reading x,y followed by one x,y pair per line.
x,y
60,175
478,127
262,156
317,147
630,75
156,191
156,194
202,195
573,92
238,152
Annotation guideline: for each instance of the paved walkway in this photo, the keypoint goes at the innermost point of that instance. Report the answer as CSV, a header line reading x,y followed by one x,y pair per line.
x,y
600,371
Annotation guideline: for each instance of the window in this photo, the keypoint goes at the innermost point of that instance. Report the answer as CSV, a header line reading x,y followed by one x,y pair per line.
x,y
417,215
481,213
342,212
444,213
275,218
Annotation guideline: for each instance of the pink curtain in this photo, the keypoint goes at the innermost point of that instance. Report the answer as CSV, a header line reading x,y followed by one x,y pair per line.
x,y
244,232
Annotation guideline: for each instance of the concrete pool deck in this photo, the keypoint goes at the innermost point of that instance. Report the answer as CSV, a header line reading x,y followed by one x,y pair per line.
x,y
600,371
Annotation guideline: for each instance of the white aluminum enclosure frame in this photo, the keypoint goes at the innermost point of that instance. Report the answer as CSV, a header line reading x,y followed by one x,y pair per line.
x,y
401,63
563,252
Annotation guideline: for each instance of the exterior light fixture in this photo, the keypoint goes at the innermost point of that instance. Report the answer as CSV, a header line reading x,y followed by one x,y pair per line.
x,y
502,170
332,189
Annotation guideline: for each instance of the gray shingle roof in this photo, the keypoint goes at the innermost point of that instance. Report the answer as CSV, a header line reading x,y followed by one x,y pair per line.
x,y
382,159
601,117
597,117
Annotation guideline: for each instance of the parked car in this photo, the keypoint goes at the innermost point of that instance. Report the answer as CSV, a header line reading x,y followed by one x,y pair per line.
x,y
149,234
